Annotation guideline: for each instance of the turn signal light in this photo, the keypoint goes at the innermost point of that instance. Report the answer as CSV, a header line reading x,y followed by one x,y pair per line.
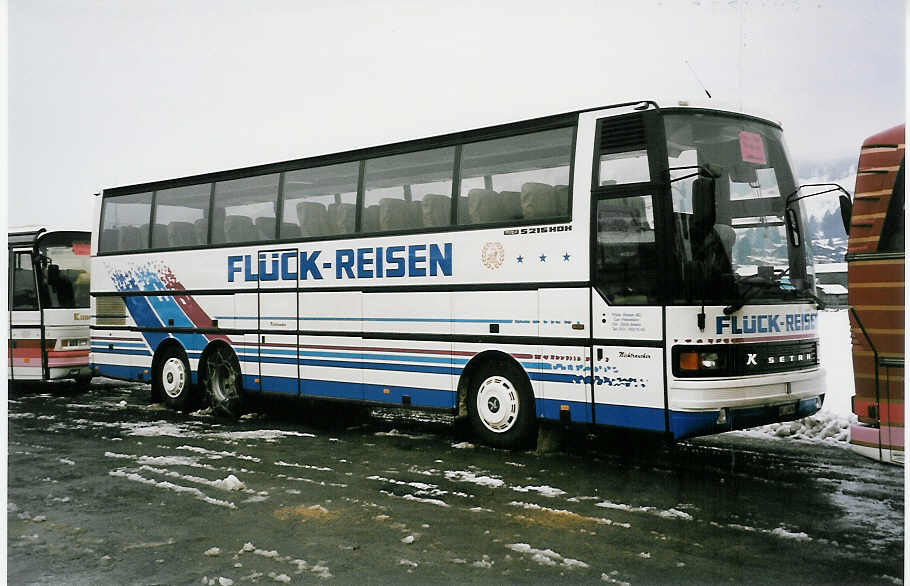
x,y
688,361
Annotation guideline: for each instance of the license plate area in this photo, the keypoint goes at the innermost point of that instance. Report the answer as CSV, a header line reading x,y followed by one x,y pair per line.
x,y
789,409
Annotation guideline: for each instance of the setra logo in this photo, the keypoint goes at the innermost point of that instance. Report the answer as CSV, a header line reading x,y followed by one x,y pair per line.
x,y
492,255
80,316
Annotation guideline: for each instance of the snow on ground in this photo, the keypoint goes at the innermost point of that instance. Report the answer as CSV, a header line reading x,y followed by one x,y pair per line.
x,y
546,557
832,423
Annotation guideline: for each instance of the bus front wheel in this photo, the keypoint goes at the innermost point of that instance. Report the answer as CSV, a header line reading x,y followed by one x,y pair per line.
x,y
172,381
501,406
223,382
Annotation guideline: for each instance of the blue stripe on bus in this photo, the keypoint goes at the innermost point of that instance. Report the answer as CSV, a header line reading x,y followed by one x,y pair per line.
x,y
265,352
579,411
372,319
541,376
169,310
650,418
142,314
119,371
419,397
121,351
105,343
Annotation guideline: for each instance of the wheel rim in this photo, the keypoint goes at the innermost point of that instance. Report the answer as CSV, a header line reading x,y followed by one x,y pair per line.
x,y
173,377
222,377
497,404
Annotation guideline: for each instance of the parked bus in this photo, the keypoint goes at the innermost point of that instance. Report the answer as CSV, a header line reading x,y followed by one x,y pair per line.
x,y
875,260
633,266
49,305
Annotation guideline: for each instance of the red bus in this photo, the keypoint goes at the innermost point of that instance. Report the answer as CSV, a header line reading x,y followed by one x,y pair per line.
x,y
875,257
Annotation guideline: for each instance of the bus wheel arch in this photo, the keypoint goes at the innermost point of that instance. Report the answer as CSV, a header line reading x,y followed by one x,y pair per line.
x,y
222,379
496,395
172,381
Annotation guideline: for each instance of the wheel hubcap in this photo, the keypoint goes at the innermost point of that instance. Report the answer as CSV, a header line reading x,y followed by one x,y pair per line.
x,y
173,377
223,377
497,404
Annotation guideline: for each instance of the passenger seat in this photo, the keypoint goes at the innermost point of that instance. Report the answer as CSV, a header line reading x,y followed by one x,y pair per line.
x,y
394,214
313,218
437,210
484,206
266,227
538,201
239,229
289,230
181,234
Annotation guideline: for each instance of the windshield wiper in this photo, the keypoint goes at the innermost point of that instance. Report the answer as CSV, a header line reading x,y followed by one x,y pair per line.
x,y
777,282
754,283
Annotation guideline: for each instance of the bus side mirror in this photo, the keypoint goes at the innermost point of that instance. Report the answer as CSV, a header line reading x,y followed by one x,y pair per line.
x,y
846,211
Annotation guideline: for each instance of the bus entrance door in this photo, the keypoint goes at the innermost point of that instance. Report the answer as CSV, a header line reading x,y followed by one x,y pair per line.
x,y
278,321
27,355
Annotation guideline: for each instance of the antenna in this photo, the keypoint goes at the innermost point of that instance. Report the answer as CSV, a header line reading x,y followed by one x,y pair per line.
x,y
698,80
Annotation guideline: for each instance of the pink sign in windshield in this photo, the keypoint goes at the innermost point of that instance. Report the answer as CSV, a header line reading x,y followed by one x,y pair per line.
x,y
752,148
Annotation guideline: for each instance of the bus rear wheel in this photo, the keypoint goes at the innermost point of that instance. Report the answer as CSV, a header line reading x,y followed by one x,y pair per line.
x,y
172,381
223,382
501,406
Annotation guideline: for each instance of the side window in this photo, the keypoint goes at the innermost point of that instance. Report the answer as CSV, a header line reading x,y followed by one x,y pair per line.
x,y
408,191
626,253
24,294
523,177
320,201
892,238
181,216
245,209
125,222
623,151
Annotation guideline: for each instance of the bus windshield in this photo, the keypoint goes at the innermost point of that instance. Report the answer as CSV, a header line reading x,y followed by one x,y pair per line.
x,y
729,180
64,264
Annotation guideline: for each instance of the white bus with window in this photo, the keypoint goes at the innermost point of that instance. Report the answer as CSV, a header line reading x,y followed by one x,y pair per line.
x,y
633,266
48,305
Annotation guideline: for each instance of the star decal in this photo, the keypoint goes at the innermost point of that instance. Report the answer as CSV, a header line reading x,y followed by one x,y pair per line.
x,y
520,258
543,258
566,257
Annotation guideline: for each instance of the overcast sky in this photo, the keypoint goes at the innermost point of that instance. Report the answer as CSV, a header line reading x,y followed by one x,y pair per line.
x,y
109,93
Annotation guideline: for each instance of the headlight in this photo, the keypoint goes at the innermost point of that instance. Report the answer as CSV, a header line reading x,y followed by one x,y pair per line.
x,y
699,361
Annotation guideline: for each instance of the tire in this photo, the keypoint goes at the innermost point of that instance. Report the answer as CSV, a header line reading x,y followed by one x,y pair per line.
x,y
172,381
501,406
83,383
224,382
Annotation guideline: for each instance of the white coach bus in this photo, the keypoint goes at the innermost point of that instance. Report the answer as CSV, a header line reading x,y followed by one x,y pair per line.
x,y
48,305
633,266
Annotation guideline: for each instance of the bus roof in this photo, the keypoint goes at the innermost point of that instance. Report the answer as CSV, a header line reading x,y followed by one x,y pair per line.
x,y
28,235
542,123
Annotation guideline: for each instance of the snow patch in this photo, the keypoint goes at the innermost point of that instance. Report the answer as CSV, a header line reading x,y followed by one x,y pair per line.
x,y
213,551
543,490
396,433
798,536
231,483
463,445
465,476
132,476
307,466
215,455
546,557
268,435
672,513
66,461
609,579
